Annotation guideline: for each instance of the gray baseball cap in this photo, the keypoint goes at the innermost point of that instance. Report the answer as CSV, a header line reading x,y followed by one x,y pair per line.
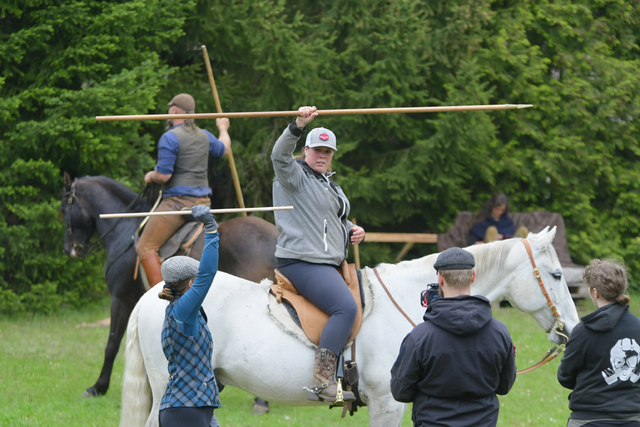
x,y
179,268
455,259
321,137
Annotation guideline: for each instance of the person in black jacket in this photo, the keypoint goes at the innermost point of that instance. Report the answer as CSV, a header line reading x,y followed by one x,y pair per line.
x,y
600,363
452,366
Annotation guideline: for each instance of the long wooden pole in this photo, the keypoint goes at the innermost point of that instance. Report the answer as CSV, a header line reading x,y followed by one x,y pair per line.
x,y
232,163
320,112
188,212
356,250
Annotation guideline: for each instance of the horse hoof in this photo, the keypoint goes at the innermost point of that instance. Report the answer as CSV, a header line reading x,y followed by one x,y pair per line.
x,y
260,407
90,392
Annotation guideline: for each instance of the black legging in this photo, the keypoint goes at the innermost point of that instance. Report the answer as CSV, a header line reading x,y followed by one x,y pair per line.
x,y
188,417
325,288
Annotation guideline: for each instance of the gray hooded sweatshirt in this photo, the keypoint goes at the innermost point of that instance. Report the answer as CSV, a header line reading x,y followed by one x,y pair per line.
x,y
317,229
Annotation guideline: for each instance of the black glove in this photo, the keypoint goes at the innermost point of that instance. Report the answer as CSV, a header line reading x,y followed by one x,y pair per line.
x,y
202,214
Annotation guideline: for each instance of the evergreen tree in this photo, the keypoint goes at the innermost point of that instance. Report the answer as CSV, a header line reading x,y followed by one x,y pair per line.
x,y
575,152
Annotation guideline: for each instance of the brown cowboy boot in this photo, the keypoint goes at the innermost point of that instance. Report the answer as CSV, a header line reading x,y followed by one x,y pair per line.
x,y
151,264
522,232
324,377
491,235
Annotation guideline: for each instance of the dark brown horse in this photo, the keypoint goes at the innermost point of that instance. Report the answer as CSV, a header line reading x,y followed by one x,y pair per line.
x,y
247,248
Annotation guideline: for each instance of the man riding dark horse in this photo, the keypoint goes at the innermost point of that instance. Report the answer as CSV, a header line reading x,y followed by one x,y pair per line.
x,y
183,153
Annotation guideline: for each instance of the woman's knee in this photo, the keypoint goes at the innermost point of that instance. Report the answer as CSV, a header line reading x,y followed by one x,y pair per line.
x,y
350,309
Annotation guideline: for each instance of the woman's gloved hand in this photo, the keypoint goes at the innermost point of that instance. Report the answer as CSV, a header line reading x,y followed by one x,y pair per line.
x,y
202,214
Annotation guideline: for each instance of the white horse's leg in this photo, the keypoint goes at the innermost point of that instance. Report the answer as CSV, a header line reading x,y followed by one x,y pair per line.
x,y
385,411
136,395
150,330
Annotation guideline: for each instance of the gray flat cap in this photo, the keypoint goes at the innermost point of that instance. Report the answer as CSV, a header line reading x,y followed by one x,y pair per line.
x,y
184,101
455,259
179,268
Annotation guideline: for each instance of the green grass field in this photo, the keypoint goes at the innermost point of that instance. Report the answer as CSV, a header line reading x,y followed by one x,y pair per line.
x,y
47,362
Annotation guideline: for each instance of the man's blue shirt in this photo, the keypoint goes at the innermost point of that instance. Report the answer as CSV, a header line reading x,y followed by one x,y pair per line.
x,y
167,153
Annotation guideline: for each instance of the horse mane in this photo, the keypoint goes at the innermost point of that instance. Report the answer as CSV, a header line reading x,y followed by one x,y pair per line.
x,y
488,257
491,256
120,191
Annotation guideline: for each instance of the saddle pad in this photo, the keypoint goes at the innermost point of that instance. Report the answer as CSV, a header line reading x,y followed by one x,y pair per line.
x,y
312,319
181,239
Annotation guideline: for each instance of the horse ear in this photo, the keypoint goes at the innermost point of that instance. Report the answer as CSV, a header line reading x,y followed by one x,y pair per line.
x,y
544,238
67,181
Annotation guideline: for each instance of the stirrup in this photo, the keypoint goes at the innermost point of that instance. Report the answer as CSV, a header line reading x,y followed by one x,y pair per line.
x,y
339,397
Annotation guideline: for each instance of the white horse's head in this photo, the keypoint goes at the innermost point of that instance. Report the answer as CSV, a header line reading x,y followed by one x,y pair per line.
x,y
521,287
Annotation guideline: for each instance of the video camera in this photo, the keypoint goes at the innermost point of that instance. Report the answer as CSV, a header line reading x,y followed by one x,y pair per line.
x,y
430,294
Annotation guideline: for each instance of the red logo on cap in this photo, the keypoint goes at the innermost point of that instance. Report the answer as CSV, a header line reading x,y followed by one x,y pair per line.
x,y
324,137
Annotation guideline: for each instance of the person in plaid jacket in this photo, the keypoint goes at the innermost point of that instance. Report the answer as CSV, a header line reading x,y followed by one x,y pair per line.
x,y
192,391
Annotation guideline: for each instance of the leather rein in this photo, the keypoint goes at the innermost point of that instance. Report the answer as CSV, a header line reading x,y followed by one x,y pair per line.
x,y
557,325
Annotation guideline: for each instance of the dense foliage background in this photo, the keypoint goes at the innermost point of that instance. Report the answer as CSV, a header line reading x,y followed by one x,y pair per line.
x,y
576,153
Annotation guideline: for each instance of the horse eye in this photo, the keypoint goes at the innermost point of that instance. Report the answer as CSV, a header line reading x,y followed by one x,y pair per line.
x,y
557,276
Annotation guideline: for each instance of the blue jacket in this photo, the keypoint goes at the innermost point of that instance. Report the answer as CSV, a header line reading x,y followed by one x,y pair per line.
x,y
187,342
600,365
504,225
452,366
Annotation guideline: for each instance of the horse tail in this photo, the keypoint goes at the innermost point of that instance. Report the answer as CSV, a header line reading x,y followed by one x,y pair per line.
x,y
136,391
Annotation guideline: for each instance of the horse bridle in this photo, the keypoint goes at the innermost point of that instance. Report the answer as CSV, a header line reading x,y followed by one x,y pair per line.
x,y
556,326
76,244
95,243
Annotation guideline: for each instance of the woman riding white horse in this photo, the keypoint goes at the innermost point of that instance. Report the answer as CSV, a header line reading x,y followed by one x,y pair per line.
x,y
254,353
313,241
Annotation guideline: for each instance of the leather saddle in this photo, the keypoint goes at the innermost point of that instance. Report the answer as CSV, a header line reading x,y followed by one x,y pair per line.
x,y
311,318
181,241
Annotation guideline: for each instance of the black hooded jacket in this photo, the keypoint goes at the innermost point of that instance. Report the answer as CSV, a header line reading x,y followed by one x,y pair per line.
x,y
452,366
600,364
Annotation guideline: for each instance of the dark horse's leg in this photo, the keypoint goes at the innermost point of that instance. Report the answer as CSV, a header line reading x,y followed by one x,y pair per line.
x,y
125,293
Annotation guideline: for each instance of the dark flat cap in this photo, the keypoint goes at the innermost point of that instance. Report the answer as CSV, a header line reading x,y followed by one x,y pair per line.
x,y
179,268
455,259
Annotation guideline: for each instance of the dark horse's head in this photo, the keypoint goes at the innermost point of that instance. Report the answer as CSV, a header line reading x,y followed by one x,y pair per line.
x,y
84,199
79,225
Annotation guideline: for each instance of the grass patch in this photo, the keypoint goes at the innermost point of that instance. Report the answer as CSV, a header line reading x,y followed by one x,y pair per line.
x,y
46,363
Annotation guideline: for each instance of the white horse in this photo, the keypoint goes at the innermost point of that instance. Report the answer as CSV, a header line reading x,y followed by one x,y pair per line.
x,y
254,353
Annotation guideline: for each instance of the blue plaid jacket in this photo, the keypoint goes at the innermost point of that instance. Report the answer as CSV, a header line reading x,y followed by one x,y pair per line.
x,y
187,342
191,380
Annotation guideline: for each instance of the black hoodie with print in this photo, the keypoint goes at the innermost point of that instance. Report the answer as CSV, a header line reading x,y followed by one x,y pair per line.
x,y
452,366
600,365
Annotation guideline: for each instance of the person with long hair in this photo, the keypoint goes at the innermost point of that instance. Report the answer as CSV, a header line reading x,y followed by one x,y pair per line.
x,y
600,362
192,392
492,222
314,240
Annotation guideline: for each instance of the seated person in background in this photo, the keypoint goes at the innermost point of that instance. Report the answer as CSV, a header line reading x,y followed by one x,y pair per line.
x,y
492,222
